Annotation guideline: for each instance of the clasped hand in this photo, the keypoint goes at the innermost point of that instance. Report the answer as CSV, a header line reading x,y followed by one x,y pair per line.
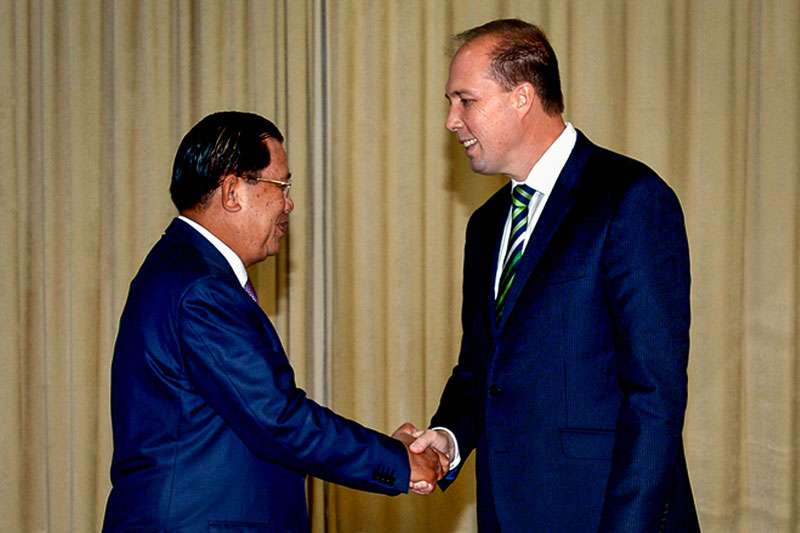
x,y
429,452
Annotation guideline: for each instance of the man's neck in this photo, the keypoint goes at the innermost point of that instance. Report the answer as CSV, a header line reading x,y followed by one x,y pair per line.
x,y
541,137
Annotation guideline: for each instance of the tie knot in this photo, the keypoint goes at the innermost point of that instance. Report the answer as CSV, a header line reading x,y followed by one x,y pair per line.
x,y
521,195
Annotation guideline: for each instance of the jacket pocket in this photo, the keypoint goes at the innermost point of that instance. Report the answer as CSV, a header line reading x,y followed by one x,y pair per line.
x,y
580,443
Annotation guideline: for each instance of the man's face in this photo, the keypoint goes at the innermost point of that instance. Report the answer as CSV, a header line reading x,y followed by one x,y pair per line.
x,y
481,111
267,207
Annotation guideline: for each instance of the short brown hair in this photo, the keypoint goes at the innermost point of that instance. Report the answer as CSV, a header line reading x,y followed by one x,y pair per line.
x,y
522,53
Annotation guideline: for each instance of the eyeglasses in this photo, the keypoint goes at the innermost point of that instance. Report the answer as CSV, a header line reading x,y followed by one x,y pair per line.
x,y
285,186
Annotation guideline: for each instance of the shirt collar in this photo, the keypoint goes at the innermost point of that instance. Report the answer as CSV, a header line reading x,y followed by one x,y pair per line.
x,y
236,263
545,171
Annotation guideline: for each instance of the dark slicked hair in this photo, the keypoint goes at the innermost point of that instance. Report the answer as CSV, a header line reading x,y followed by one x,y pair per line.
x,y
228,142
522,53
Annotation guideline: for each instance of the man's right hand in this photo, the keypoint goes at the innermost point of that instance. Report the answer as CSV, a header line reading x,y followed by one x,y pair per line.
x,y
427,466
436,439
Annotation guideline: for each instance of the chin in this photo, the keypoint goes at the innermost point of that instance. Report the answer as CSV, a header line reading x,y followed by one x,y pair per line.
x,y
477,166
480,170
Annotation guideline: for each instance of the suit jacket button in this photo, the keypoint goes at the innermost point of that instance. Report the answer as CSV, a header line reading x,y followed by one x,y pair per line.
x,y
494,390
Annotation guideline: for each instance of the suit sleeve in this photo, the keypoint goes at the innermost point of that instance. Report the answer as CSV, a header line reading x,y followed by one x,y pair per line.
x,y
646,263
234,359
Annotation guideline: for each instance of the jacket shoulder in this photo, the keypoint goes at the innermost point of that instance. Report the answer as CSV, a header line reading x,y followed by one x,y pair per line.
x,y
598,172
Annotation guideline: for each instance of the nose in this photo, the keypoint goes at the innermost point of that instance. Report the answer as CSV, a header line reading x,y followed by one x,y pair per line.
x,y
288,205
453,121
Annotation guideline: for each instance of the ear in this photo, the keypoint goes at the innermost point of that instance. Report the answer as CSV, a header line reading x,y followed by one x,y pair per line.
x,y
524,96
229,189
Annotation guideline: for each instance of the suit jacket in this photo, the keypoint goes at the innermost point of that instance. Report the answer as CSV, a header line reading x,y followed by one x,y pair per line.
x,y
575,400
210,430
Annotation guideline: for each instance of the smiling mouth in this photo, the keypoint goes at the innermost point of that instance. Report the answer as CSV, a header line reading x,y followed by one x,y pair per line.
x,y
469,142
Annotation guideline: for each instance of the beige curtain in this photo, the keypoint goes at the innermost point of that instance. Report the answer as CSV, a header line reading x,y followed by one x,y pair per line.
x,y
95,98
95,95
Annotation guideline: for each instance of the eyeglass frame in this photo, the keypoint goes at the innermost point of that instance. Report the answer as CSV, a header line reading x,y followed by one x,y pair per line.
x,y
285,186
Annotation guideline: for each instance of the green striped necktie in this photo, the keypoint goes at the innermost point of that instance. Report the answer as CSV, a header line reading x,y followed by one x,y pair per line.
x,y
520,198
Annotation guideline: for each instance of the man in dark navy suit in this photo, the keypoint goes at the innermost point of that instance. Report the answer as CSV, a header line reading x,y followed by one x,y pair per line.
x,y
210,431
571,381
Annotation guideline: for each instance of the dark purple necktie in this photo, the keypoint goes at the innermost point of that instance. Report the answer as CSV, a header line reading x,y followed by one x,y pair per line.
x,y
249,289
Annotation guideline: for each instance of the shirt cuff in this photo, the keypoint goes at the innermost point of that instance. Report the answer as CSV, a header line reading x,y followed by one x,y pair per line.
x,y
456,460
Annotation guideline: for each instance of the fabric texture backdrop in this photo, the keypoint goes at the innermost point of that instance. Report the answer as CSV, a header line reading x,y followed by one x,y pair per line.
x,y
95,96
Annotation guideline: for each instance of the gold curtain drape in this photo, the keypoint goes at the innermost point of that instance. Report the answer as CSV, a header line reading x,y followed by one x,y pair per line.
x,y
95,98
95,95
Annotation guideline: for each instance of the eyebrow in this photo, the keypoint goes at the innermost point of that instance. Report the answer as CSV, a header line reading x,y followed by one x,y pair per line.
x,y
458,93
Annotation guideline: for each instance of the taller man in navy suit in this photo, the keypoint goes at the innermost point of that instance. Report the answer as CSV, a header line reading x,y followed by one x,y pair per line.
x,y
571,380
210,431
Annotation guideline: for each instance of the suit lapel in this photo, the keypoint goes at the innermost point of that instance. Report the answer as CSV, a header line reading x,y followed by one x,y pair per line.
x,y
556,208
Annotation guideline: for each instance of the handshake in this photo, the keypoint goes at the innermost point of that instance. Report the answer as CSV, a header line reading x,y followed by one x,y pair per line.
x,y
430,452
